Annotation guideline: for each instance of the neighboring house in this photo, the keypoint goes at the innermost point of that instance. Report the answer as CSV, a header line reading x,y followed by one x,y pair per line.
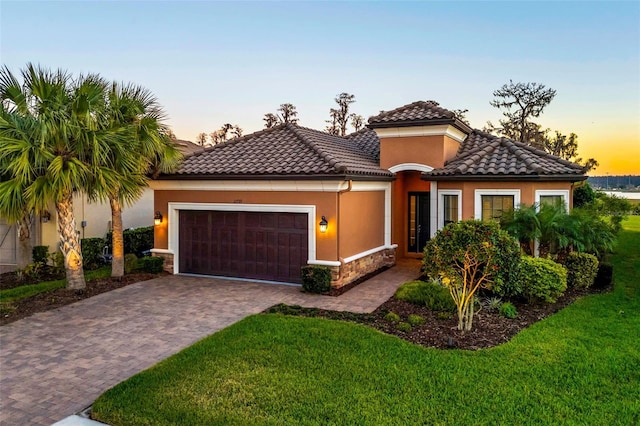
x,y
256,207
93,219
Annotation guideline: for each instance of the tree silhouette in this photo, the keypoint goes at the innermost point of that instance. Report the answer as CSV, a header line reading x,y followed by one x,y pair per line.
x,y
288,113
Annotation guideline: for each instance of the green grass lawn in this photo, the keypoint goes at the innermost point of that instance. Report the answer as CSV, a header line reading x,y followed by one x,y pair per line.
x,y
580,366
18,293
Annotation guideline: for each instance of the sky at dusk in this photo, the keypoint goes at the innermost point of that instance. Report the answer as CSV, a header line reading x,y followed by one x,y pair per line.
x,y
211,63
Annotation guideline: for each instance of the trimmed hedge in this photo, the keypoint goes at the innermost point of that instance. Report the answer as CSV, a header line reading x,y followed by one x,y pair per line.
x,y
136,241
541,279
582,269
430,294
316,279
153,265
92,252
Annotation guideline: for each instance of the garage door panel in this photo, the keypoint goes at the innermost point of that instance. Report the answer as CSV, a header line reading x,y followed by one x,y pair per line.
x,y
259,245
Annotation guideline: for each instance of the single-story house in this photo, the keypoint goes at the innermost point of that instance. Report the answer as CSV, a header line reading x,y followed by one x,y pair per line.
x,y
263,205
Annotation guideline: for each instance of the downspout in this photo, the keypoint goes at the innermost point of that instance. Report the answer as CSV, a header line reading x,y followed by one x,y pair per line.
x,y
341,259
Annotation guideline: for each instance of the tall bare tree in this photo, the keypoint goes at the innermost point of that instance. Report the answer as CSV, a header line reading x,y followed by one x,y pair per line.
x,y
201,139
357,121
270,120
288,113
344,100
332,124
520,103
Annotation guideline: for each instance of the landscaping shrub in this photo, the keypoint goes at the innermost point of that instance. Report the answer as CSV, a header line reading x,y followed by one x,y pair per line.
x,y
414,319
40,254
507,310
542,279
430,294
493,303
604,277
582,269
136,240
316,279
470,255
404,326
92,252
392,316
153,265
33,271
130,263
57,260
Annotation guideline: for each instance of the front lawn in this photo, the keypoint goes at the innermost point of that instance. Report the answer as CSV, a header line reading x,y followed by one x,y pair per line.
x,y
580,366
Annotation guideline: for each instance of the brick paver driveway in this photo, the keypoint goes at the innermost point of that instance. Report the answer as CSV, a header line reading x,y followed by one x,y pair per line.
x,y
56,363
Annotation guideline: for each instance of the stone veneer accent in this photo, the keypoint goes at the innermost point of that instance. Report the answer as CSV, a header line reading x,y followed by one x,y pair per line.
x,y
340,275
352,271
168,261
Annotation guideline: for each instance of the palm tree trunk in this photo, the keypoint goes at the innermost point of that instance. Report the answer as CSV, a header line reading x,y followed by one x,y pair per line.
x,y
117,239
70,244
25,246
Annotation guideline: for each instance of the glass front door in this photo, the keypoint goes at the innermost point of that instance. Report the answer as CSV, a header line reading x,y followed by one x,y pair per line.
x,y
418,232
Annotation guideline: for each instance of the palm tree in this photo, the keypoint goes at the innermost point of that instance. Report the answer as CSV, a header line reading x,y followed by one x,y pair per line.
x,y
143,147
51,147
523,224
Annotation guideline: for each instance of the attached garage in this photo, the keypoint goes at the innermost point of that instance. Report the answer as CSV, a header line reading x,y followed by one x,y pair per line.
x,y
270,246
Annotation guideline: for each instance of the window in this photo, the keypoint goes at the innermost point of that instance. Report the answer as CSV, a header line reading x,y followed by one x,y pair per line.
x,y
494,205
490,203
553,197
449,206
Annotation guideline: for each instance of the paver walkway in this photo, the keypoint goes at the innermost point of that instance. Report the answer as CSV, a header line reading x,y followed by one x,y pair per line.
x,y
56,363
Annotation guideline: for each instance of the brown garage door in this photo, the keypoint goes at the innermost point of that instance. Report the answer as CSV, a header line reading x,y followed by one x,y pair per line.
x,y
256,245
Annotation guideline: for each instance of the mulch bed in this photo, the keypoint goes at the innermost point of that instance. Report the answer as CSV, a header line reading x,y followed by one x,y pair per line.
x,y
489,328
61,296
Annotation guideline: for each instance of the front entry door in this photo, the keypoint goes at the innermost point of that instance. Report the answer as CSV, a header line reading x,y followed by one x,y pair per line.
x,y
418,232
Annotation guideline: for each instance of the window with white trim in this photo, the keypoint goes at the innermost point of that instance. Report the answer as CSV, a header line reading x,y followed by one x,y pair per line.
x,y
552,197
449,206
491,203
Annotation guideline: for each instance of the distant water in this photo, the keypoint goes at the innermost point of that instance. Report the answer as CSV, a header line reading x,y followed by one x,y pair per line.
x,y
622,194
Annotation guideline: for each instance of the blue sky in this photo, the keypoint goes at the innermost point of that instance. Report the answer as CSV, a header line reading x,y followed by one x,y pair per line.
x,y
216,62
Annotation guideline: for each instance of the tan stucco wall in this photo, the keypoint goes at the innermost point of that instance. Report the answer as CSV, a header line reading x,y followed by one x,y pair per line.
x,y
428,150
361,222
527,191
405,182
98,217
326,205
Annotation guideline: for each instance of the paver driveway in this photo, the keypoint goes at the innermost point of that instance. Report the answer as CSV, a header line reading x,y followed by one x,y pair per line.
x,y
56,363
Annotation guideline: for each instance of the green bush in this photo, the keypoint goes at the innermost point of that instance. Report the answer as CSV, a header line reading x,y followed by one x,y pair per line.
x,y
507,310
57,260
404,326
392,316
34,271
447,248
130,263
136,240
430,294
91,252
316,279
415,319
582,269
40,254
541,279
604,278
153,265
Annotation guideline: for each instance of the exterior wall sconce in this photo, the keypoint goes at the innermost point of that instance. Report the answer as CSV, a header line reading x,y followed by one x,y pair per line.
x,y
323,225
157,219
45,216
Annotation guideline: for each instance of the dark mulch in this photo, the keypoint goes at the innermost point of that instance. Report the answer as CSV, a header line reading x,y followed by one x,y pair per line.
x,y
61,297
489,328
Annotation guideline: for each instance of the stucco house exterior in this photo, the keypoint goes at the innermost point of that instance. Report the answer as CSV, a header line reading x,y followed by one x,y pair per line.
x,y
266,204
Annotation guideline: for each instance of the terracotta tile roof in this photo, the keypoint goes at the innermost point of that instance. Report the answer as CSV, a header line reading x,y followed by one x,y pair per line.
x,y
416,111
483,155
285,150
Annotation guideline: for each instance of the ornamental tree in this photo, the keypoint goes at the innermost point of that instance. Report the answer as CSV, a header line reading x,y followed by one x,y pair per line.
x,y
470,255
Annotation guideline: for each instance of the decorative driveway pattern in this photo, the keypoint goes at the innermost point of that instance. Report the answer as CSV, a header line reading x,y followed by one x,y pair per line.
x,y
56,363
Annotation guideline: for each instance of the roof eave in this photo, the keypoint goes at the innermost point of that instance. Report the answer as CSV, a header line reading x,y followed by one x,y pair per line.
x,y
505,178
257,177
460,125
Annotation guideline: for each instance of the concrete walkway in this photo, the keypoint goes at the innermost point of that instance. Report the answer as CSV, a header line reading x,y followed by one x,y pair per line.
x,y
56,363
